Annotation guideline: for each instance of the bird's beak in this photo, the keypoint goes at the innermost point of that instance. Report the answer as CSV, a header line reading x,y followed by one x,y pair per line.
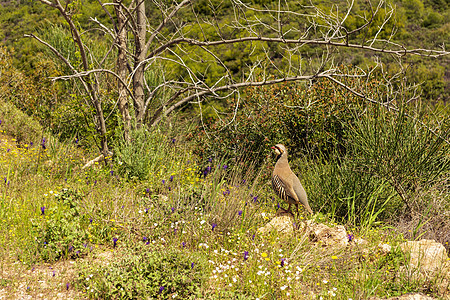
x,y
273,147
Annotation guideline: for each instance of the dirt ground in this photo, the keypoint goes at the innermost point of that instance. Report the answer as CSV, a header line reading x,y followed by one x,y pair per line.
x,y
44,281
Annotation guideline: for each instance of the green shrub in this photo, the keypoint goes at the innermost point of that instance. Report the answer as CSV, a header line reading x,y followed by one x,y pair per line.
x,y
433,19
307,120
19,125
146,273
61,230
401,151
390,160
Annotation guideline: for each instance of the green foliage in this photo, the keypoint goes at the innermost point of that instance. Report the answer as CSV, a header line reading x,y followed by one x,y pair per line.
x,y
143,272
61,230
414,8
433,19
307,120
400,150
390,158
18,124
142,155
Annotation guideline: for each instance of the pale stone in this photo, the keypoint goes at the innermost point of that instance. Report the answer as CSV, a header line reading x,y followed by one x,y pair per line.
x,y
283,223
426,255
360,242
327,236
385,248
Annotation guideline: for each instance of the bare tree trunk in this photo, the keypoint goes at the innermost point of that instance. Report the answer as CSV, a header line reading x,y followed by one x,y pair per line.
x,y
122,71
90,83
139,65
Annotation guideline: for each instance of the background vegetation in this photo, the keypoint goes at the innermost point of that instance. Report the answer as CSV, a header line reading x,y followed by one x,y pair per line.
x,y
177,210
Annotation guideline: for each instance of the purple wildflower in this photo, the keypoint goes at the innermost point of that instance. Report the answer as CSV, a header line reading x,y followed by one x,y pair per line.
x,y
115,242
43,210
53,273
350,237
255,198
163,181
183,244
253,236
282,262
225,167
90,220
278,205
192,265
240,213
67,286
171,178
111,172
173,209
214,225
174,140
245,255
144,238
207,171
147,190
70,248
161,288
210,159
43,144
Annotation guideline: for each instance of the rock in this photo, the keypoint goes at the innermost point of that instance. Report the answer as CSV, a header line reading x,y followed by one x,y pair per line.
x,y
385,248
427,256
361,242
282,223
327,236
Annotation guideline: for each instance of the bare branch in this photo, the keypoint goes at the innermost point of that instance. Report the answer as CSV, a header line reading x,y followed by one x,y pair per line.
x,y
402,52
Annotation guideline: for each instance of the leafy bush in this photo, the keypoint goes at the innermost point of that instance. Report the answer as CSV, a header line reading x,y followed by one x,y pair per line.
x,y
135,158
61,231
390,160
401,151
146,273
155,155
307,120
19,125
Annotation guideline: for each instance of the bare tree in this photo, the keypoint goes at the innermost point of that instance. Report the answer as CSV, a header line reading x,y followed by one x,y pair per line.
x,y
277,43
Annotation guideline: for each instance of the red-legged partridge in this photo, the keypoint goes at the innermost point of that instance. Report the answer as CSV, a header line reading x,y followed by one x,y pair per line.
x,y
285,183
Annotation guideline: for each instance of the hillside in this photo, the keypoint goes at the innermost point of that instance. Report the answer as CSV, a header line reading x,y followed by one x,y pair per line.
x,y
137,158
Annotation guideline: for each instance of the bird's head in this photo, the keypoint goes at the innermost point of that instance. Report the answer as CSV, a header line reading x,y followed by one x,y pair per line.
x,y
279,149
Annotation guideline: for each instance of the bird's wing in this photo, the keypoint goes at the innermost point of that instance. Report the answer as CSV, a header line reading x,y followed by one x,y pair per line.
x,y
283,191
